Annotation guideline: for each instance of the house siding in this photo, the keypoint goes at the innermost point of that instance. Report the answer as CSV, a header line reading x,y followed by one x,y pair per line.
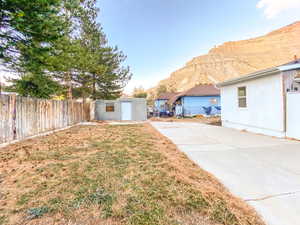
x,y
293,112
160,105
192,105
265,106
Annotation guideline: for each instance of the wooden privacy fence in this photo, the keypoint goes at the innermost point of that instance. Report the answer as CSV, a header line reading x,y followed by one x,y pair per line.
x,y
22,117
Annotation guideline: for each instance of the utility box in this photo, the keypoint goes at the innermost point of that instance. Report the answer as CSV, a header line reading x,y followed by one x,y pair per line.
x,y
126,109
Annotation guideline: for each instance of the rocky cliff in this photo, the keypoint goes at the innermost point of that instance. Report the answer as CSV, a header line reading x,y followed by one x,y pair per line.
x,y
237,58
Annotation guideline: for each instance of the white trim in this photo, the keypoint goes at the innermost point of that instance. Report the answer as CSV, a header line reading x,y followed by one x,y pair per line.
x,y
258,74
248,77
289,67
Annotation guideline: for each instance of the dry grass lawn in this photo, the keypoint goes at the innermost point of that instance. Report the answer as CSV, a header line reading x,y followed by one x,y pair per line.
x,y
213,120
111,175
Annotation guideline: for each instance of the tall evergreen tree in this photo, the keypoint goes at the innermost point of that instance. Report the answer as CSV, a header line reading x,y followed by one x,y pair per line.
x,y
27,29
102,74
72,49
35,85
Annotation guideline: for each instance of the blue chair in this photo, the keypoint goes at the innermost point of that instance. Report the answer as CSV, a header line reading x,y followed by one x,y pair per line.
x,y
207,110
218,108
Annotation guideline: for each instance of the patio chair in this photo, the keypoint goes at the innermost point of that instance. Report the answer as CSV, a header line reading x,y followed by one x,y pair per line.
x,y
207,110
218,108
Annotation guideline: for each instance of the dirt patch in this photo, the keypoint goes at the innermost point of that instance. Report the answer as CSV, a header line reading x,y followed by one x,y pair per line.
x,y
214,120
104,174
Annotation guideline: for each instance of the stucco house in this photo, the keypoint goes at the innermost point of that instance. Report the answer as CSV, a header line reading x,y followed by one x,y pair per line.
x,y
265,102
199,100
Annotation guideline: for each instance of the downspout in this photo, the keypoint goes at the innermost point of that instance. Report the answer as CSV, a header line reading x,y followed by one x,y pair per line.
x,y
284,96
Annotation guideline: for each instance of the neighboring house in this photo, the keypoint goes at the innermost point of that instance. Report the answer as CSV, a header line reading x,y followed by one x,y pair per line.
x,y
121,109
160,104
199,100
265,102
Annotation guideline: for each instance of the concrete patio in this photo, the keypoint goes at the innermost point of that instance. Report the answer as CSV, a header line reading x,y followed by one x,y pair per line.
x,y
262,170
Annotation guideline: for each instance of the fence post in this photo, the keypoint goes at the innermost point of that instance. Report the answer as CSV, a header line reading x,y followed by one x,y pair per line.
x,y
14,116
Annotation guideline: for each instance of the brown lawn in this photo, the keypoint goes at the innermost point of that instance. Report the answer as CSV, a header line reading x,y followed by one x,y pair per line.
x,y
214,120
111,175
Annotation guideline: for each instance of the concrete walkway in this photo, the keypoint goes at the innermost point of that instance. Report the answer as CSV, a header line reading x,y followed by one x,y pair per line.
x,y
264,171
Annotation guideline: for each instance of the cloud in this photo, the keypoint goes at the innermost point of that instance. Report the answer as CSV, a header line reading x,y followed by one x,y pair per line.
x,y
273,7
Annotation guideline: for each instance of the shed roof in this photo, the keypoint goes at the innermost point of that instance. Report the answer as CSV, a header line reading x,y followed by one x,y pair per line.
x,y
199,90
295,64
166,96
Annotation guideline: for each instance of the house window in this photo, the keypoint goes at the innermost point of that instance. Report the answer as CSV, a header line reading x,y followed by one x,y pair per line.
x,y
213,101
242,97
110,107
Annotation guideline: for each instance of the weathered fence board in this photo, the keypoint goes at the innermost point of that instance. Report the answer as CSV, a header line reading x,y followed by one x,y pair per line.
x,y
22,117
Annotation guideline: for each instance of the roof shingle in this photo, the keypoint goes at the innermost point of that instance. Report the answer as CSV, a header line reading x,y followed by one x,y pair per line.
x,y
166,96
202,90
199,90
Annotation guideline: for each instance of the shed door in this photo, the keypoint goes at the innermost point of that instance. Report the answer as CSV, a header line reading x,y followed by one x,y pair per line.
x,y
126,110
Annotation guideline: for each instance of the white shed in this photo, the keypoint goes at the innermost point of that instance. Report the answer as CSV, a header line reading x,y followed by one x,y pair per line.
x,y
264,102
121,109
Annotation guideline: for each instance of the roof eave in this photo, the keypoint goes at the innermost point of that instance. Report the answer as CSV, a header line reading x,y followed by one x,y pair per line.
x,y
249,77
289,67
204,95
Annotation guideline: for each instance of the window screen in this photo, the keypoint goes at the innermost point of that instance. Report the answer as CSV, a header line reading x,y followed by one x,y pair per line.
x,y
110,107
242,97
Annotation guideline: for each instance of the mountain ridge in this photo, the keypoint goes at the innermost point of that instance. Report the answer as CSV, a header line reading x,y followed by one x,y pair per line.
x,y
236,58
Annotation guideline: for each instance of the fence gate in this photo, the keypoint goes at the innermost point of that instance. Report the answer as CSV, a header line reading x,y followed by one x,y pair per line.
x,y
293,116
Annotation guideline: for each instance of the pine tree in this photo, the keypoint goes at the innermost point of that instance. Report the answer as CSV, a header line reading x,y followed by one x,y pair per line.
x,y
35,85
71,51
27,30
102,75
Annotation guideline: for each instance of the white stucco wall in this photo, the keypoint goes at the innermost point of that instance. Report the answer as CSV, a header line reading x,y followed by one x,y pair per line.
x,y
264,113
138,110
293,112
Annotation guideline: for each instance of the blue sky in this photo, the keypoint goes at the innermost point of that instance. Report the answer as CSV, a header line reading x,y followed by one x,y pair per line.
x,y
160,36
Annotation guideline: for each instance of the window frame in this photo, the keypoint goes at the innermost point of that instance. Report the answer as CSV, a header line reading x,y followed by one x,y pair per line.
x,y
242,99
109,105
213,101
